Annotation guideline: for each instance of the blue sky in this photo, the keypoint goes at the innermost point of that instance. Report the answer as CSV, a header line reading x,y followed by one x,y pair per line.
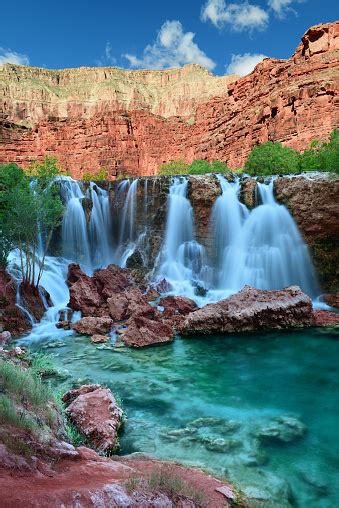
x,y
223,36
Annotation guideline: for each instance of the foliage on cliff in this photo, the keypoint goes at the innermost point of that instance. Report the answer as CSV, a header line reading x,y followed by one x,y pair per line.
x,y
27,209
274,158
198,167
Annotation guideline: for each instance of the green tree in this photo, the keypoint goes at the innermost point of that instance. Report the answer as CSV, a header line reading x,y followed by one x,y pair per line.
x,y
271,159
321,156
174,168
28,208
100,175
48,168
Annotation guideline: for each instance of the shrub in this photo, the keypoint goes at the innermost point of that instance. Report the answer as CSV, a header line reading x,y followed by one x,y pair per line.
x,y
198,167
174,168
100,175
48,168
271,159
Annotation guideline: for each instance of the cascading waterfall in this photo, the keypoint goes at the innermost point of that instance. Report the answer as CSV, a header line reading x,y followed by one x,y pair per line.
x,y
181,259
262,248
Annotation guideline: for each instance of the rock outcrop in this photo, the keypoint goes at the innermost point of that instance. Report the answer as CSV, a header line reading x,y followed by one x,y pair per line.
x,y
313,202
250,310
95,413
12,319
132,121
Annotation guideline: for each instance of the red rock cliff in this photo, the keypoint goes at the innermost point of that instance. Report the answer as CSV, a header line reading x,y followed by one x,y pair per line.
x,y
132,121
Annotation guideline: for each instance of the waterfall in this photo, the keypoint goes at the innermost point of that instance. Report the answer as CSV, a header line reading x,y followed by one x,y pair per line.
x,y
75,241
181,258
100,227
262,248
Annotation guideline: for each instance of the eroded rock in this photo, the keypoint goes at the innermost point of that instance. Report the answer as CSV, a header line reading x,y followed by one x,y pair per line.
x,y
93,325
252,309
95,413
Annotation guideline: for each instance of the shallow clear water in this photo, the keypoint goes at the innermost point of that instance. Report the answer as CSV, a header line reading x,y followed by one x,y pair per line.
x,y
249,379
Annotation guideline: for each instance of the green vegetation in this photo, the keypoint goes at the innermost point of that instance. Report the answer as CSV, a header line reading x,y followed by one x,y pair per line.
x,y
166,479
48,168
102,174
26,405
27,209
272,159
322,156
198,167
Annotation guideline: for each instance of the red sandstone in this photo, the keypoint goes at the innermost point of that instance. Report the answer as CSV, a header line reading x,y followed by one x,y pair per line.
x,y
292,101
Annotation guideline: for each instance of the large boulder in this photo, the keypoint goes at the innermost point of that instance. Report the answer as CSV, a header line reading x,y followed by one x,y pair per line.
x,y
123,305
252,309
175,308
83,292
147,331
93,325
95,413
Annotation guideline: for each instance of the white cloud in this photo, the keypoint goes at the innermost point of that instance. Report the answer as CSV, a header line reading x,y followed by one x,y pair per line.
x,y
173,47
107,58
244,64
281,7
239,16
9,56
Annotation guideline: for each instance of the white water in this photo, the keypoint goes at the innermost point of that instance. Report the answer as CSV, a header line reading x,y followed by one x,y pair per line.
x,y
262,247
182,259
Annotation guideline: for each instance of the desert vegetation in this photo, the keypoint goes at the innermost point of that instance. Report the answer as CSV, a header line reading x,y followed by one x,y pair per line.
x,y
270,158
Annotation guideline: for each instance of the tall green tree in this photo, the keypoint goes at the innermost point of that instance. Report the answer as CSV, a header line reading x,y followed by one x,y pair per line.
x,y
28,208
271,159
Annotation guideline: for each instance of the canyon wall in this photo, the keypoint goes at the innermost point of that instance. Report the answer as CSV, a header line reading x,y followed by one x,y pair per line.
x,y
132,121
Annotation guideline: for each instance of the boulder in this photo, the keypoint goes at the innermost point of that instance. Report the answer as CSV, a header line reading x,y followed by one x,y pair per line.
x,y
99,339
252,309
83,292
127,303
143,331
177,306
112,280
331,299
326,318
95,413
93,325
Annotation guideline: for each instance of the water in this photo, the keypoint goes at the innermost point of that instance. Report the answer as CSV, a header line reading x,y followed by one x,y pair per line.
x,y
182,258
236,378
262,247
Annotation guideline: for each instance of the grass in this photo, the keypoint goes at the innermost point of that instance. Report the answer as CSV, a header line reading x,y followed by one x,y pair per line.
x,y
10,415
23,385
167,480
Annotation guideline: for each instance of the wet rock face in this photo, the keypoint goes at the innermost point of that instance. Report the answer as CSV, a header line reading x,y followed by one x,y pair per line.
x,y
313,202
95,413
12,319
186,114
252,309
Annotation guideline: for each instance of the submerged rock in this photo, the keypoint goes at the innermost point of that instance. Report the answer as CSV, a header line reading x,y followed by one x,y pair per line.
x,y
252,309
95,413
283,429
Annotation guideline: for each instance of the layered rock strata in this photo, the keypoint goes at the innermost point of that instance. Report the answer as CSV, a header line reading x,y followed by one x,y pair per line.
x,y
132,121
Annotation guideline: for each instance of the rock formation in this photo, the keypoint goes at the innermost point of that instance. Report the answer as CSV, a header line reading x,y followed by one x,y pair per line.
x,y
252,309
95,413
132,121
